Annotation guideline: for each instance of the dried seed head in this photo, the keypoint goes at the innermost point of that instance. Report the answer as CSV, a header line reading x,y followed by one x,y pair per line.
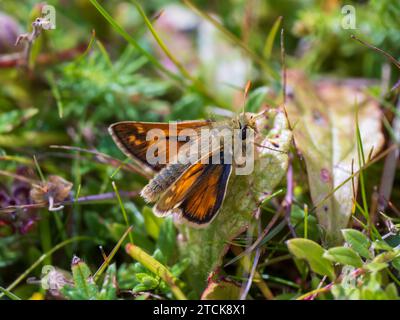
x,y
54,279
54,190
75,260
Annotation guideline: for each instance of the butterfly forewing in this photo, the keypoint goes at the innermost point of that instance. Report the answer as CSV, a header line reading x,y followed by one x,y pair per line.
x,y
131,137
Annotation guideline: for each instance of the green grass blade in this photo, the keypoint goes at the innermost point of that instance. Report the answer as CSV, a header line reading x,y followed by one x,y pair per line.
x,y
271,38
38,169
104,53
111,255
9,294
122,209
305,221
56,94
133,42
196,83
361,164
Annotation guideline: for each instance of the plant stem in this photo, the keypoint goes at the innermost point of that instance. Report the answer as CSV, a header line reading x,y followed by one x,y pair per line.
x,y
39,170
305,221
315,292
92,199
264,233
45,235
122,209
111,255
389,168
258,280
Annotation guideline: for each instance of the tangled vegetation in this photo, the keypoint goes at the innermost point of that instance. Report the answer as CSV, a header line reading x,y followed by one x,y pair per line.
x,y
318,220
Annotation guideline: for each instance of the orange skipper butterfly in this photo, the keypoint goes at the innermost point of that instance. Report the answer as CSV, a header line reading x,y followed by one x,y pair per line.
x,y
194,190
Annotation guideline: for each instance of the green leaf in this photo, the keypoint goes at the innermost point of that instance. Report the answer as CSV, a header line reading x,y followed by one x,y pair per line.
x,y
72,293
256,99
297,219
178,268
9,294
155,267
116,230
358,241
166,241
221,290
391,292
345,256
386,256
396,263
324,120
345,293
152,223
131,40
205,247
109,290
10,120
190,106
147,282
313,253
375,266
83,280
271,37
159,256
381,245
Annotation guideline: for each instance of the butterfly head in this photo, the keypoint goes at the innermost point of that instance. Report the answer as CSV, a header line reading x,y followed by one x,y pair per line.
x,y
245,121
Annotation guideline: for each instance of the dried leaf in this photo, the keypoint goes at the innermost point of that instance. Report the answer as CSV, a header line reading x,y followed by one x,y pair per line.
x,y
221,290
55,187
323,117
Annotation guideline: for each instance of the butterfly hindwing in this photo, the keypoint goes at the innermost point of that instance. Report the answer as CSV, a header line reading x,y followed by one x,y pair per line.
x,y
197,194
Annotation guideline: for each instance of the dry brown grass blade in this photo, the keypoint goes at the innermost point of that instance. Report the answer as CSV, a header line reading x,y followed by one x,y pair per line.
x,y
104,158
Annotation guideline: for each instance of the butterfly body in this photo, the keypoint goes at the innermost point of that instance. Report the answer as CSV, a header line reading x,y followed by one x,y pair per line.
x,y
195,190
160,183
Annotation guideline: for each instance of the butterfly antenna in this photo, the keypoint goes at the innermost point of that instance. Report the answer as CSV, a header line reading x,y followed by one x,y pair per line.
x,y
262,113
387,55
284,74
246,93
